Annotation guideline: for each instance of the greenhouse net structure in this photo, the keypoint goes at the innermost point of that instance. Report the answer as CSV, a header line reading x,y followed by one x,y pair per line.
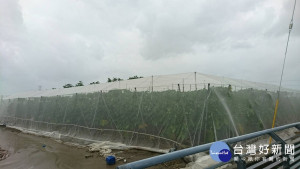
x,y
157,111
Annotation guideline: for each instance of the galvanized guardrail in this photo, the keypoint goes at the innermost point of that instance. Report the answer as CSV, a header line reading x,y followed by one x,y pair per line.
x,y
201,148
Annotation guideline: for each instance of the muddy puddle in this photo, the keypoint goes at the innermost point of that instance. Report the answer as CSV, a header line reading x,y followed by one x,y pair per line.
x,y
33,152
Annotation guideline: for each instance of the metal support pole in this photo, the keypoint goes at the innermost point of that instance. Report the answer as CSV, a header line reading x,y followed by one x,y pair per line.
x,y
195,80
152,83
182,85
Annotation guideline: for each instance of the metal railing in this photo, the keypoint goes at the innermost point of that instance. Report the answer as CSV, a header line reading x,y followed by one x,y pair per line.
x,y
201,148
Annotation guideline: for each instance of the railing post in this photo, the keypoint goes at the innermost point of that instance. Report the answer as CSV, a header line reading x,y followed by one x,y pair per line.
x,y
286,163
276,137
241,164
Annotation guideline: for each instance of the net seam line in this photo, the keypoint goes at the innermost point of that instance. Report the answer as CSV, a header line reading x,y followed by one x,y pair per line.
x,y
95,128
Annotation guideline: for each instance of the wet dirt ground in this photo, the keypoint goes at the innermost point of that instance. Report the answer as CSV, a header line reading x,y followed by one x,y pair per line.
x,y
33,152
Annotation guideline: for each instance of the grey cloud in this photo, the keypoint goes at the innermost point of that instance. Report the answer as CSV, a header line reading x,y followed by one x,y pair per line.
x,y
51,43
176,30
217,25
280,23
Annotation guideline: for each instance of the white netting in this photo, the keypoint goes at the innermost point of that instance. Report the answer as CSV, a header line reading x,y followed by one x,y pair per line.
x,y
173,114
186,81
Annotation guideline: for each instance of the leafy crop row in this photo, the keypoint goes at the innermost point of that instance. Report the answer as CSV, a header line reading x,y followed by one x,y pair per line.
x,y
186,117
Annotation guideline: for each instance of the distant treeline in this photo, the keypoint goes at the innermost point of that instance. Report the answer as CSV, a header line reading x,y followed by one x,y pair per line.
x,y
114,79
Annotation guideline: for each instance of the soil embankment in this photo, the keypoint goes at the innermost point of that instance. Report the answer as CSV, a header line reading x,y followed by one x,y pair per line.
x,y
29,151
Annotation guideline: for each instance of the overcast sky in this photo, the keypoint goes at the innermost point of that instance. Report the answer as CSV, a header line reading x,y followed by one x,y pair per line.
x,y
51,43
